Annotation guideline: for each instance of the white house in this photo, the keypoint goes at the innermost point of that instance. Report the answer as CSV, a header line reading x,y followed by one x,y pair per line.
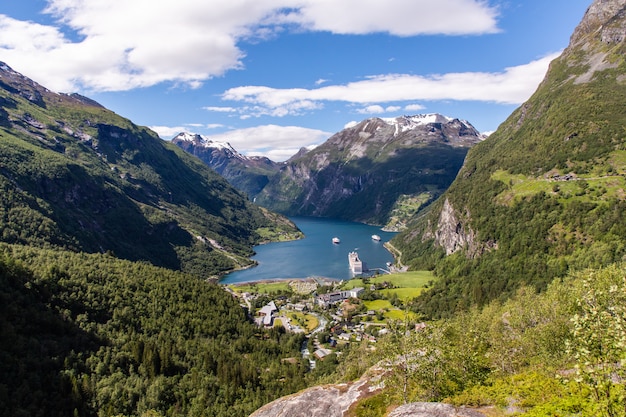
x,y
267,312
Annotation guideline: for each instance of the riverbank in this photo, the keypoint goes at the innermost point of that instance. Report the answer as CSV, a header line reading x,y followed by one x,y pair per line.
x,y
312,280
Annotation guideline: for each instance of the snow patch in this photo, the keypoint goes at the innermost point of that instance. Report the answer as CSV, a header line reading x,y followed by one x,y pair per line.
x,y
407,123
199,140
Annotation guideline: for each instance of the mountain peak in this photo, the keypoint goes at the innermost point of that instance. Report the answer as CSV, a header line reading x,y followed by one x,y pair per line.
x,y
203,142
604,18
418,120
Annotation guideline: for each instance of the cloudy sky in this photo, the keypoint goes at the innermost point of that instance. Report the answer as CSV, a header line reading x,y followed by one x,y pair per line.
x,y
272,76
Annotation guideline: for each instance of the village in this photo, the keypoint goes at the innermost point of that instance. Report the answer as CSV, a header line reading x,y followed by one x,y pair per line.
x,y
331,313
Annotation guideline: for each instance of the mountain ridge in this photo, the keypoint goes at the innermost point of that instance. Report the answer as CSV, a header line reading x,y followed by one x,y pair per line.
x,y
78,176
375,171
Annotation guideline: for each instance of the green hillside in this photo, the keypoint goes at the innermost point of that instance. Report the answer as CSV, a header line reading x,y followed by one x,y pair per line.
x,y
77,176
544,195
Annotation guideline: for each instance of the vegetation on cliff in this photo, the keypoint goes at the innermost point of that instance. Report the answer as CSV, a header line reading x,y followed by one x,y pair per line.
x,y
559,352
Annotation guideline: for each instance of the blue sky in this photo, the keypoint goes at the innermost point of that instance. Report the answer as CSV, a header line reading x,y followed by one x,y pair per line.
x,y
272,76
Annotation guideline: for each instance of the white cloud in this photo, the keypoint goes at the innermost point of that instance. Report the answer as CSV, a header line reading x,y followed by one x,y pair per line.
x,y
372,109
512,86
276,142
220,109
377,109
295,108
414,107
100,45
398,17
169,132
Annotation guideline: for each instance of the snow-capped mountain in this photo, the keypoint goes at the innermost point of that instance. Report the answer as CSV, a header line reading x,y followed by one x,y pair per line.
x,y
248,174
185,139
371,170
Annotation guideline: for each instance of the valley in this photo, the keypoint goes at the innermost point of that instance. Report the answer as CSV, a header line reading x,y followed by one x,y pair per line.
x,y
116,249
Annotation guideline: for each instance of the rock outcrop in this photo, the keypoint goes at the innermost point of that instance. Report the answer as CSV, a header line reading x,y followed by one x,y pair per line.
x,y
321,401
338,401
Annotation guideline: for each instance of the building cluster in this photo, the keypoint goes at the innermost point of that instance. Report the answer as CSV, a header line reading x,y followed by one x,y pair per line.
x,y
332,298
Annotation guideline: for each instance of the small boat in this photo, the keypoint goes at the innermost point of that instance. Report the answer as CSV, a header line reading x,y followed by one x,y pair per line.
x,y
376,238
336,240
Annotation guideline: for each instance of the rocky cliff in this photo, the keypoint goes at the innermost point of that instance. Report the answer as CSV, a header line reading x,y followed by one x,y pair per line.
x,y
341,399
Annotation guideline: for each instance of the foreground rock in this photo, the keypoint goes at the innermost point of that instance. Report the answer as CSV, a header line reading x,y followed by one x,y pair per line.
x,y
326,401
337,400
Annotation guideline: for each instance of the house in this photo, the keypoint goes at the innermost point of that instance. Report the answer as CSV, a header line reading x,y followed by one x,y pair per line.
x,y
321,353
266,312
355,292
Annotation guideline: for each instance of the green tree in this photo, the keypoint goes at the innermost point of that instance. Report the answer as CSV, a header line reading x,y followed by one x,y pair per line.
x,y
599,340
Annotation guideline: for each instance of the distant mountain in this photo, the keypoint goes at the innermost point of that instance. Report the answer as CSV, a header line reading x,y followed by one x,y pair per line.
x,y
380,171
247,174
544,194
75,175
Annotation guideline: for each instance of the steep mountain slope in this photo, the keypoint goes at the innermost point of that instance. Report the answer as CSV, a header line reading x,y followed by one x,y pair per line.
x,y
365,172
75,175
546,192
247,174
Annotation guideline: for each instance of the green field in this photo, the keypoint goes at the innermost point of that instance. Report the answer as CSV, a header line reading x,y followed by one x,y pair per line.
x,y
592,187
399,315
413,279
307,321
404,294
378,305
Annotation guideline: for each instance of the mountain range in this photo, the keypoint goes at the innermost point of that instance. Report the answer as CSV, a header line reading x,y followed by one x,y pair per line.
x,y
76,175
379,171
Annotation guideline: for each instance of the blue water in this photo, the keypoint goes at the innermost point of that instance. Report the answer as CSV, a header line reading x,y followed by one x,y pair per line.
x,y
316,255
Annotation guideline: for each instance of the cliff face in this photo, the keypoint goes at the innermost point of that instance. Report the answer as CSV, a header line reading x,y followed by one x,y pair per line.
x,y
322,401
374,170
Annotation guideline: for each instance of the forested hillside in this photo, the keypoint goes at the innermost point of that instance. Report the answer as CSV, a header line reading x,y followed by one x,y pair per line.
x,y
76,175
91,335
546,193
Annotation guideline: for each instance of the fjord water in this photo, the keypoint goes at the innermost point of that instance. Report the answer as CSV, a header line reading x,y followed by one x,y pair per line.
x,y
316,255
